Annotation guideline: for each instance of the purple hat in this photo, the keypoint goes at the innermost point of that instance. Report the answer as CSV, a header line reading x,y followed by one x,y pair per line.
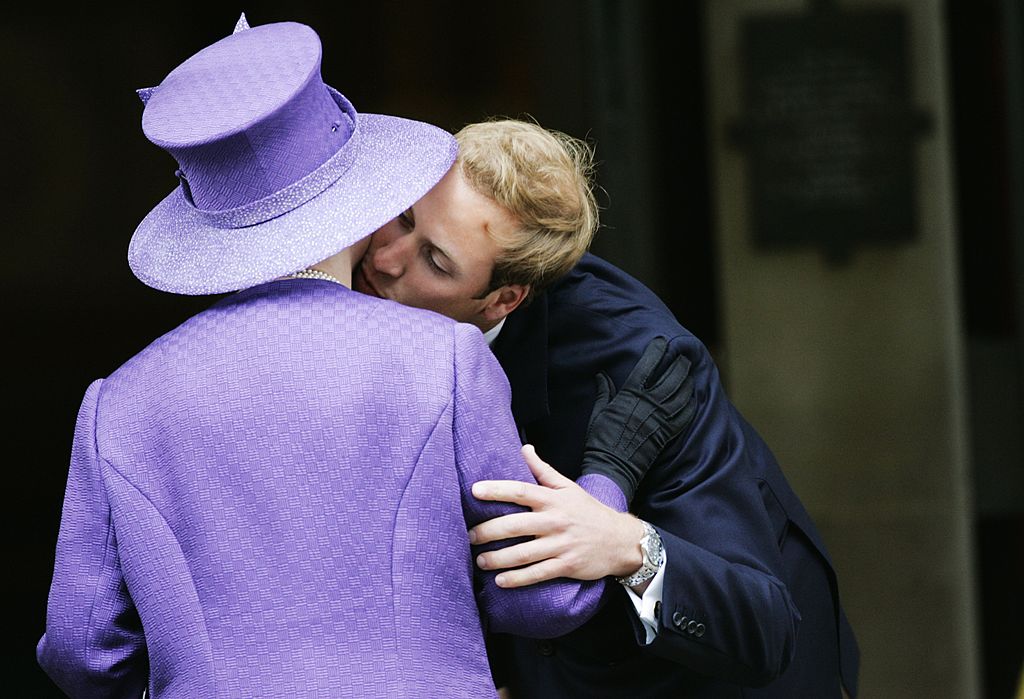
x,y
277,170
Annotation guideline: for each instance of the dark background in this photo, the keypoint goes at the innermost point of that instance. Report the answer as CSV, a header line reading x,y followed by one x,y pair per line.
x,y
78,175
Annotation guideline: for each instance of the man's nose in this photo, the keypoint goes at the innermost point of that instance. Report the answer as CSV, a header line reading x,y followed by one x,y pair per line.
x,y
391,258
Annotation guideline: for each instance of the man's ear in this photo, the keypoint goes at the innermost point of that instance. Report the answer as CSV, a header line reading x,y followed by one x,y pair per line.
x,y
504,300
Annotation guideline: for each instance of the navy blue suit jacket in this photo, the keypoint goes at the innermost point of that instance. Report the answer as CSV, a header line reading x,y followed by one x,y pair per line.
x,y
750,597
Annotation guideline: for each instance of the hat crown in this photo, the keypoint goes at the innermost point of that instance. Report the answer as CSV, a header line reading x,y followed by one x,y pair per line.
x,y
248,115
278,171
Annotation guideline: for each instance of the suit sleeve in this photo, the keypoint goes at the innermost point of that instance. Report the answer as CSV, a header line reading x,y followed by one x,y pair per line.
x,y
724,610
487,447
93,644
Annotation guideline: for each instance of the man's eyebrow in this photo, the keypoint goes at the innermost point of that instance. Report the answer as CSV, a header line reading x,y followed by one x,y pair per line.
x,y
411,214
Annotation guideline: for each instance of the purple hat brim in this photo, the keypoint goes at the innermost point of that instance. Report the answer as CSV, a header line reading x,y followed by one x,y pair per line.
x,y
178,250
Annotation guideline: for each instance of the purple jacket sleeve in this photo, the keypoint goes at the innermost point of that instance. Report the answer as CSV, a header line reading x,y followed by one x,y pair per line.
x,y
93,644
487,447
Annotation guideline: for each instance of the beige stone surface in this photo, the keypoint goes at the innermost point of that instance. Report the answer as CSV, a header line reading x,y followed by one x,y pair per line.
x,y
855,375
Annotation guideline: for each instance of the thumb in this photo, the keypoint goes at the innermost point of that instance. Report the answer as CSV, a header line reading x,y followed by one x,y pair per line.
x,y
545,474
604,388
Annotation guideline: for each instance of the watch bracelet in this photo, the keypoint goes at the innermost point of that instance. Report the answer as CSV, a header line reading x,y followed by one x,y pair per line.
x,y
648,568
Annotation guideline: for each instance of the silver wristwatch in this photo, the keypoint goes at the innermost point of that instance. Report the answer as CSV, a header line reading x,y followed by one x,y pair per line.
x,y
654,556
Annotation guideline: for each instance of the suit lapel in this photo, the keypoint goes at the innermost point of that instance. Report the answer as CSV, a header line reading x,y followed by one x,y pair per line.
x,y
522,351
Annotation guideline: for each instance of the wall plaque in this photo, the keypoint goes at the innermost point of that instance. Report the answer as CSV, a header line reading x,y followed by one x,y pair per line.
x,y
829,129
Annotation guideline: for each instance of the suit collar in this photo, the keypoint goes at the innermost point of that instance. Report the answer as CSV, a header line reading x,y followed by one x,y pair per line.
x,y
522,351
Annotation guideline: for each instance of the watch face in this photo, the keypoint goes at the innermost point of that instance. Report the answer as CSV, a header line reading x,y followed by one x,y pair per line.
x,y
653,556
651,547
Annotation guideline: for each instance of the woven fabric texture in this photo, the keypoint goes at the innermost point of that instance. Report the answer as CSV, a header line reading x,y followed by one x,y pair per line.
x,y
272,500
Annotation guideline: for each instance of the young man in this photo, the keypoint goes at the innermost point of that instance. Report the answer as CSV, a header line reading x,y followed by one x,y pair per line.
x,y
273,498
725,580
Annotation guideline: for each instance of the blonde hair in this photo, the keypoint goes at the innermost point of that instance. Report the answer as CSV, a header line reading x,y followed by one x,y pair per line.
x,y
544,179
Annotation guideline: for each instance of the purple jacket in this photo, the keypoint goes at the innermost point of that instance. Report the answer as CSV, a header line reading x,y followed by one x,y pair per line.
x,y
272,500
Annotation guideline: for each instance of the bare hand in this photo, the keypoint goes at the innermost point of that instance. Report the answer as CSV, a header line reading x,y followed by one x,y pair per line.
x,y
575,535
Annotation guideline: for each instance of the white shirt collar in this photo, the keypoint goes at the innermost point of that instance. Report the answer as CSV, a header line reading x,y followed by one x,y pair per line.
x,y
491,335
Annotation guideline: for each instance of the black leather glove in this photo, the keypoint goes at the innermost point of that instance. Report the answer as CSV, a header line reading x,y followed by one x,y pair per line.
x,y
629,429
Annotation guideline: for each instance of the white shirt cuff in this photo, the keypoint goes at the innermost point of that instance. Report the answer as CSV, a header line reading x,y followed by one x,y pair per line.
x,y
652,595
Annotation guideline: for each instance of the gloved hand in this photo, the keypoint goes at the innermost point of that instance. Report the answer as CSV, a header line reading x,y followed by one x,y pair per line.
x,y
629,429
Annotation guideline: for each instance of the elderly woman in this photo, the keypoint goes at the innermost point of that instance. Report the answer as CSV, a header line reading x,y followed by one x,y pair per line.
x,y
272,499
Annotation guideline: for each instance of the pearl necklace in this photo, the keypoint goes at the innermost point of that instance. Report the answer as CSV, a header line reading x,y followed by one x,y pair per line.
x,y
310,273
